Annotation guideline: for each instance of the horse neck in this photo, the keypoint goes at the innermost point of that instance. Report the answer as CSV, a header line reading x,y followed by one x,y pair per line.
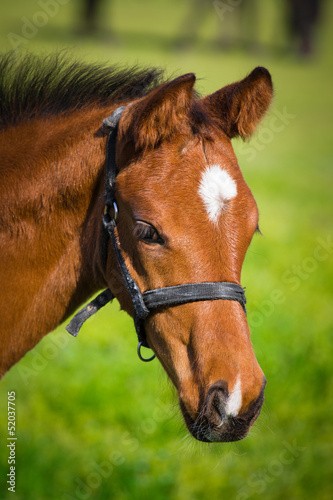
x,y
50,226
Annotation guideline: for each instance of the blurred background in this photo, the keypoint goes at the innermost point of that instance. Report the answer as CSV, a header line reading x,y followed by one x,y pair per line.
x,y
93,422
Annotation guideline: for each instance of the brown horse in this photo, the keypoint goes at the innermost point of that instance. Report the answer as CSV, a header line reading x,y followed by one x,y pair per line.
x,y
186,215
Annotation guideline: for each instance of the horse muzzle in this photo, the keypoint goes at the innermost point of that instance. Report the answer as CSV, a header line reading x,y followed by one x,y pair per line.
x,y
216,421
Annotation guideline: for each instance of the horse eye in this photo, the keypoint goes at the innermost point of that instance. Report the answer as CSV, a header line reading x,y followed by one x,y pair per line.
x,y
147,233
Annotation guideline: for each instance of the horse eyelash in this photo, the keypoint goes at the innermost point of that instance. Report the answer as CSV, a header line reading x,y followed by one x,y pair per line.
x,y
138,231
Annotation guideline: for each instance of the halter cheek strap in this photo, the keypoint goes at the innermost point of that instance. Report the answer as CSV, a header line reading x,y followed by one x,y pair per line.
x,y
143,303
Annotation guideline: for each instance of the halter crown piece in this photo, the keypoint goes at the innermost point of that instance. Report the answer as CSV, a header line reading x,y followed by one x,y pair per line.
x,y
143,303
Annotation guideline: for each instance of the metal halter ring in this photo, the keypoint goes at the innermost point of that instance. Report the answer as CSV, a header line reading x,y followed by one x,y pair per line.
x,y
140,355
115,208
116,211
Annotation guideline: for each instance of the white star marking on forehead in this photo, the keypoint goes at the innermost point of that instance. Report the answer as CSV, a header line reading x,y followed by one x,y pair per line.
x,y
217,187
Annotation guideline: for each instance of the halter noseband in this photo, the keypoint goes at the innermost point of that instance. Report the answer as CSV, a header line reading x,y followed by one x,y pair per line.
x,y
143,303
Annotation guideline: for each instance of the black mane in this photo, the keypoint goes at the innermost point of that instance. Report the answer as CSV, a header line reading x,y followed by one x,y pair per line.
x,y
32,85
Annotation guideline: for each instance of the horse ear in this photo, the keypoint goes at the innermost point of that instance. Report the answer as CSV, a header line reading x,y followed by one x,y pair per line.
x,y
162,112
239,107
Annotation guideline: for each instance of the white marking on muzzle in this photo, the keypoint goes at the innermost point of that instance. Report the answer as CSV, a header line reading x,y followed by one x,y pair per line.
x,y
217,187
234,402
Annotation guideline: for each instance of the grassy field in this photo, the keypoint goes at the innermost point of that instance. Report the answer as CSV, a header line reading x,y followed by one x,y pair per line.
x,y
93,422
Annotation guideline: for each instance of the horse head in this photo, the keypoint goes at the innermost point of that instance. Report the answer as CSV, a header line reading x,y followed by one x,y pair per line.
x,y
186,215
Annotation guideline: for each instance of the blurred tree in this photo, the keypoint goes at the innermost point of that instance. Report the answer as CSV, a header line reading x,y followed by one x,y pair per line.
x,y
303,18
91,14
238,22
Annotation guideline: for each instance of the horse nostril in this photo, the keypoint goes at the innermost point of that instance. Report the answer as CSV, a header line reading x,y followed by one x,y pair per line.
x,y
216,400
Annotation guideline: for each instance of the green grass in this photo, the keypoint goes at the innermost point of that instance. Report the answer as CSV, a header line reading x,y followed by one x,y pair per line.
x,y
92,420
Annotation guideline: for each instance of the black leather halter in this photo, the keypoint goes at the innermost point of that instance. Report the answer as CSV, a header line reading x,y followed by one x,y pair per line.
x,y
143,303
